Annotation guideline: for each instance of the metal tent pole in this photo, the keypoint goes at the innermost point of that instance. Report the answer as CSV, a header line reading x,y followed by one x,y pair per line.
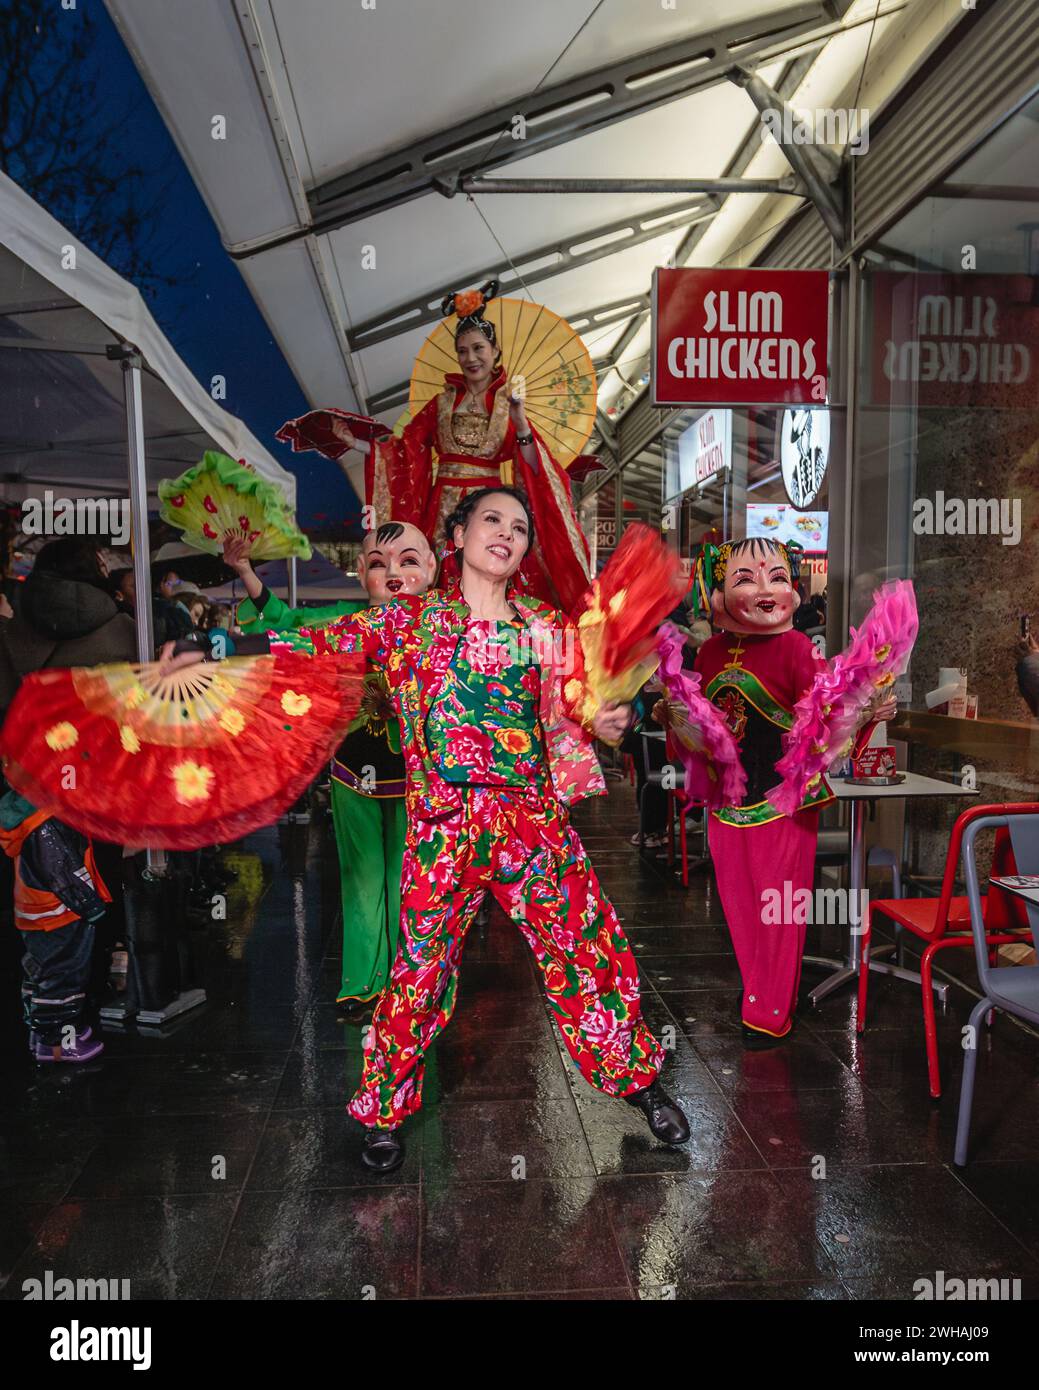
x,y
131,365
161,984
130,360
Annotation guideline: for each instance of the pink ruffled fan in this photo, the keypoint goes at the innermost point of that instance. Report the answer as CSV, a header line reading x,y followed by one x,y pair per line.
x,y
827,717
701,739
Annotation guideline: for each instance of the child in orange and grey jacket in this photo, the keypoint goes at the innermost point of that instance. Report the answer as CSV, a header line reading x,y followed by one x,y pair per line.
x,y
58,897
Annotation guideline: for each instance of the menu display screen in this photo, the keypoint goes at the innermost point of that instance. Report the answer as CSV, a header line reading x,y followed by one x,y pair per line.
x,y
781,522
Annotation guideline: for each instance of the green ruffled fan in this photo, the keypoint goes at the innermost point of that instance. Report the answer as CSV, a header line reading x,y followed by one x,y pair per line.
x,y
220,499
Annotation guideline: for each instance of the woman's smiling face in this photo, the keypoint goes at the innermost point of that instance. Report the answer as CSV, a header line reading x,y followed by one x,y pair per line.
x,y
496,538
475,356
757,593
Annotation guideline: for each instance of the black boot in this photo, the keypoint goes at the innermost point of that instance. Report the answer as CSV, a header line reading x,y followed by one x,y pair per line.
x,y
355,1010
665,1119
756,1041
383,1150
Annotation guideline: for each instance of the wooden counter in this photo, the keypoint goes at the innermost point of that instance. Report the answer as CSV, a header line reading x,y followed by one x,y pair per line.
x,y
995,740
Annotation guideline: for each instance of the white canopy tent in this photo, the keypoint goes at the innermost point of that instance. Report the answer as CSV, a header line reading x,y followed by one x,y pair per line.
x,y
64,423
332,144
96,401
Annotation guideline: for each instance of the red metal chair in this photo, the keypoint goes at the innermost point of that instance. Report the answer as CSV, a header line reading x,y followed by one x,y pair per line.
x,y
944,921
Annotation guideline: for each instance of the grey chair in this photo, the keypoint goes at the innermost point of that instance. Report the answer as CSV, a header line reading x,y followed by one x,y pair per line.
x,y
654,777
1014,989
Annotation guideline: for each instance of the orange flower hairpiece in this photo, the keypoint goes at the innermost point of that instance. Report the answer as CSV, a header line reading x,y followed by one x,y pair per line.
x,y
468,302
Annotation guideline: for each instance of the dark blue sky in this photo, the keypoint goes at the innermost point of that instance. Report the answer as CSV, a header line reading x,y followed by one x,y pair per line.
x,y
209,315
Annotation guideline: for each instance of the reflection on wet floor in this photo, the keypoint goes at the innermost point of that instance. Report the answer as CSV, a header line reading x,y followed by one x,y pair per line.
x,y
215,1159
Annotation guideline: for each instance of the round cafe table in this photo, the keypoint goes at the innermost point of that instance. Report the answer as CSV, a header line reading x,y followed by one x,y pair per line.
x,y
847,969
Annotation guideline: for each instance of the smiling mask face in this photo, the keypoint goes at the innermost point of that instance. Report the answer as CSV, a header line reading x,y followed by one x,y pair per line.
x,y
757,595
395,560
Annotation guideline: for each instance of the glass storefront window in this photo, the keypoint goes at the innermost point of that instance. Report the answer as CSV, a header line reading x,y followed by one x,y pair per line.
x,y
729,474
598,518
945,488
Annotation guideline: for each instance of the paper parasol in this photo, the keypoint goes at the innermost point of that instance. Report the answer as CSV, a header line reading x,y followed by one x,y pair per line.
x,y
538,346
220,499
200,757
314,431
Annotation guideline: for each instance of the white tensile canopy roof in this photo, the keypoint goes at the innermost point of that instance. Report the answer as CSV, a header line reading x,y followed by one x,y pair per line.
x,y
333,121
64,422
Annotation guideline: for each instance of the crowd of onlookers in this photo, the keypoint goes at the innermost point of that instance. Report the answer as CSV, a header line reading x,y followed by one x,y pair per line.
x,y
77,609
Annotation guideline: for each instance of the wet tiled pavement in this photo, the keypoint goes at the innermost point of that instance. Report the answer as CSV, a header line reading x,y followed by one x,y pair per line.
x,y
217,1161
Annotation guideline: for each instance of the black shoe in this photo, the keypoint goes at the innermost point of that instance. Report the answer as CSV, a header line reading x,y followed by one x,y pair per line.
x,y
383,1151
665,1119
355,1010
756,1041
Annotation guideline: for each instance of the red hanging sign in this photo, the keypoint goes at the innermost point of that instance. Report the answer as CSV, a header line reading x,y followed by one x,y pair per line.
x,y
740,337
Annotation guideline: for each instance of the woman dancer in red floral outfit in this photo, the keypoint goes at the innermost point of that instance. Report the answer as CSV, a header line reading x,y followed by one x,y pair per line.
x,y
487,684
492,759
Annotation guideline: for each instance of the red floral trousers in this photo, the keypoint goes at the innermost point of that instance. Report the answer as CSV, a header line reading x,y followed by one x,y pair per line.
x,y
518,844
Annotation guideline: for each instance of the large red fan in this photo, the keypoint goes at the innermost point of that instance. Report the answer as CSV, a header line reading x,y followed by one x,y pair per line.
x,y
619,615
196,758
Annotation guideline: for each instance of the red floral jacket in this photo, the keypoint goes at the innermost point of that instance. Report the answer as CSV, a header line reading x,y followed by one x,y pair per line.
x,y
413,640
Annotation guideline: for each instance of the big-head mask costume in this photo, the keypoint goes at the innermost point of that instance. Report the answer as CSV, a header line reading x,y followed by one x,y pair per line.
x,y
749,586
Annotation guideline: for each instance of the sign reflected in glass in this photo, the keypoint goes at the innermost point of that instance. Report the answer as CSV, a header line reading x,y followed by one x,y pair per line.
x,y
944,341
704,449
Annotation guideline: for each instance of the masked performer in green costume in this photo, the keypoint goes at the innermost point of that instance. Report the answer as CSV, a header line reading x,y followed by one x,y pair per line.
x,y
368,770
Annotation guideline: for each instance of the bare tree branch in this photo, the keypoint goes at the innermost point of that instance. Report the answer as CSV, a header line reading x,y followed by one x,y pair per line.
x,y
61,127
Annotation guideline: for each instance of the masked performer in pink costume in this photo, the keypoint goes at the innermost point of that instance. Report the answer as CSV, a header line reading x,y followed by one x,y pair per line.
x,y
481,436
755,671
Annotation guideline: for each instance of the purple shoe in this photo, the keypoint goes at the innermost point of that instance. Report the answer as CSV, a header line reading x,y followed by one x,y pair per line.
x,y
82,1037
85,1050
